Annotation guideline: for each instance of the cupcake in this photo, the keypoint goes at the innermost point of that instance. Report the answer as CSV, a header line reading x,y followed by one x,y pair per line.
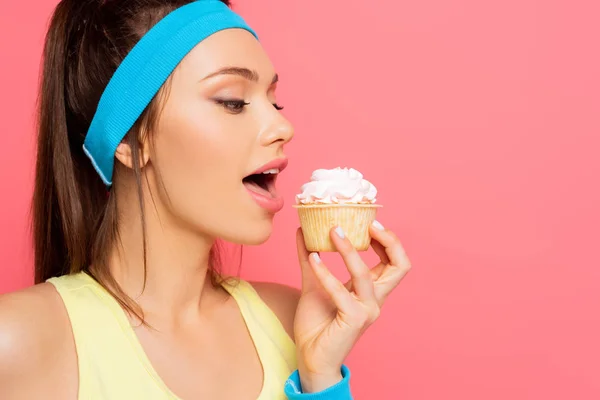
x,y
336,197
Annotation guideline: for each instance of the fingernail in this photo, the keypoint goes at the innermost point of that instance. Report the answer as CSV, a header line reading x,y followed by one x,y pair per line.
x,y
316,258
378,225
340,232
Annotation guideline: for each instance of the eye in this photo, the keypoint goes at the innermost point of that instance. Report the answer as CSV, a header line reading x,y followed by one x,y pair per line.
x,y
233,106
278,107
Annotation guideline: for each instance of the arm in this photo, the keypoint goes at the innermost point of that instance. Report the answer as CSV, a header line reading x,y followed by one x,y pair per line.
x,y
37,353
331,316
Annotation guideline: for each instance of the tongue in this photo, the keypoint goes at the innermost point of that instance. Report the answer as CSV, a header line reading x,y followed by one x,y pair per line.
x,y
253,186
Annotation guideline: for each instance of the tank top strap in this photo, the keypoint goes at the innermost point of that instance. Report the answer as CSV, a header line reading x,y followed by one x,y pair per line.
x,y
110,365
265,328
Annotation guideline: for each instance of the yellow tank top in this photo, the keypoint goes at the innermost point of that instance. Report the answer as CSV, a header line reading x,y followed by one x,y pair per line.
x,y
113,364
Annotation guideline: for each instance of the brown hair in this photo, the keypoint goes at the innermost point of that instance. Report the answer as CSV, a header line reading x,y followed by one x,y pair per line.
x,y
74,216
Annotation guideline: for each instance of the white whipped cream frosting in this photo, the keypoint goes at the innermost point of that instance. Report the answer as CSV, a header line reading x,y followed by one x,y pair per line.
x,y
337,186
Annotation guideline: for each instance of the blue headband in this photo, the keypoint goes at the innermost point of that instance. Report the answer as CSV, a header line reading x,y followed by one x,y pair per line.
x,y
145,69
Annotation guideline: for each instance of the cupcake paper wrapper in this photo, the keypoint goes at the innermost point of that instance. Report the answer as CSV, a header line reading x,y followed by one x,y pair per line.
x,y
317,221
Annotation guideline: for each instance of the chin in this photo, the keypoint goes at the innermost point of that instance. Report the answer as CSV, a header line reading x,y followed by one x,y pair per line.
x,y
253,234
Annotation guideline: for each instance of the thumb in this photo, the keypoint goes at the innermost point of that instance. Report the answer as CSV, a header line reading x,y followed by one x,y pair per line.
x,y
309,279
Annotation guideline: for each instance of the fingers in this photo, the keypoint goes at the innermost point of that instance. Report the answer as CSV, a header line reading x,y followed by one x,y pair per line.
x,y
389,248
340,296
309,280
360,273
380,251
375,274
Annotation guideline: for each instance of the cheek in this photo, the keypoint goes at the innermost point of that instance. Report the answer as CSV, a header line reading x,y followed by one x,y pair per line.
x,y
201,162
190,153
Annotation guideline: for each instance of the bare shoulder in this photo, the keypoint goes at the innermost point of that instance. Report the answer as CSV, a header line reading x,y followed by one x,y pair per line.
x,y
282,299
37,351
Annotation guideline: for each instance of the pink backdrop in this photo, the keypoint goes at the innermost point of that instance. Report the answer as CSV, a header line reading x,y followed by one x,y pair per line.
x,y
478,121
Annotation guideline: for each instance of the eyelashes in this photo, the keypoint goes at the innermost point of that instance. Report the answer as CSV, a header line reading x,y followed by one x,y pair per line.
x,y
235,106
232,106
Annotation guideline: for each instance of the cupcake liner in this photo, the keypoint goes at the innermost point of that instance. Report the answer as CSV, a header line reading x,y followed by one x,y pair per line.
x,y
317,220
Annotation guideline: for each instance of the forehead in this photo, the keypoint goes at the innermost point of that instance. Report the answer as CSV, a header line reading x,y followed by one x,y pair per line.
x,y
227,48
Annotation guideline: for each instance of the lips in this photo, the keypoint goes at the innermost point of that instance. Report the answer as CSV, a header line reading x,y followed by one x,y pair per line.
x,y
279,163
261,184
263,179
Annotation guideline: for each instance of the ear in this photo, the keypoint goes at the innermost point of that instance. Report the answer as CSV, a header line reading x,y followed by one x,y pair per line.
x,y
124,154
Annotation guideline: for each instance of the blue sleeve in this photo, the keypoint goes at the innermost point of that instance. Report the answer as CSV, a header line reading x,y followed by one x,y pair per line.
x,y
339,391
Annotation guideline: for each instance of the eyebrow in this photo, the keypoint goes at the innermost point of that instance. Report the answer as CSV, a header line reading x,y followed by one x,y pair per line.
x,y
240,71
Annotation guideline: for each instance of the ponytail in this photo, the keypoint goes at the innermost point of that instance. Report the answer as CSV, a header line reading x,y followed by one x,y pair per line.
x,y
65,199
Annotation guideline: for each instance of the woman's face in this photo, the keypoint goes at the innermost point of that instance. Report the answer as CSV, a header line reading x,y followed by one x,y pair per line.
x,y
219,125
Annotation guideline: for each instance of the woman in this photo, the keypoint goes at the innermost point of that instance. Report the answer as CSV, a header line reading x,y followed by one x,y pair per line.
x,y
170,105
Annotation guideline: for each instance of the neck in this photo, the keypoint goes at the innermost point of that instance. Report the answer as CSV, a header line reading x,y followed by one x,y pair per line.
x,y
174,281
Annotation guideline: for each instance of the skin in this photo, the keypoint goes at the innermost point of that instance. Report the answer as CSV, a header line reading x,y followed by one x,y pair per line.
x,y
194,164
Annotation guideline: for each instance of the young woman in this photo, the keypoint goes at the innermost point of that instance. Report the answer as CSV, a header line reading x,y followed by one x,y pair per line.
x,y
155,116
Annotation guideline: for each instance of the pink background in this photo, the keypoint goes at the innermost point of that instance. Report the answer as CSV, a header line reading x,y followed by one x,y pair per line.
x,y
479,123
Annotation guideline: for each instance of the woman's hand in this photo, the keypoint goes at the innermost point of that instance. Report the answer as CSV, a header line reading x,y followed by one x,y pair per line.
x,y
332,316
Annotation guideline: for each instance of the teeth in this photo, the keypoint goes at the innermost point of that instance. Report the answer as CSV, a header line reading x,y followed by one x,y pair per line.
x,y
271,171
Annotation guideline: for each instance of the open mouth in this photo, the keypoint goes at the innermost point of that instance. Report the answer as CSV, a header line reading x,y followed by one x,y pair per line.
x,y
263,183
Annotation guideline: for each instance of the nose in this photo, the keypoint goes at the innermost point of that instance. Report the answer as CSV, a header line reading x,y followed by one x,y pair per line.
x,y
279,132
